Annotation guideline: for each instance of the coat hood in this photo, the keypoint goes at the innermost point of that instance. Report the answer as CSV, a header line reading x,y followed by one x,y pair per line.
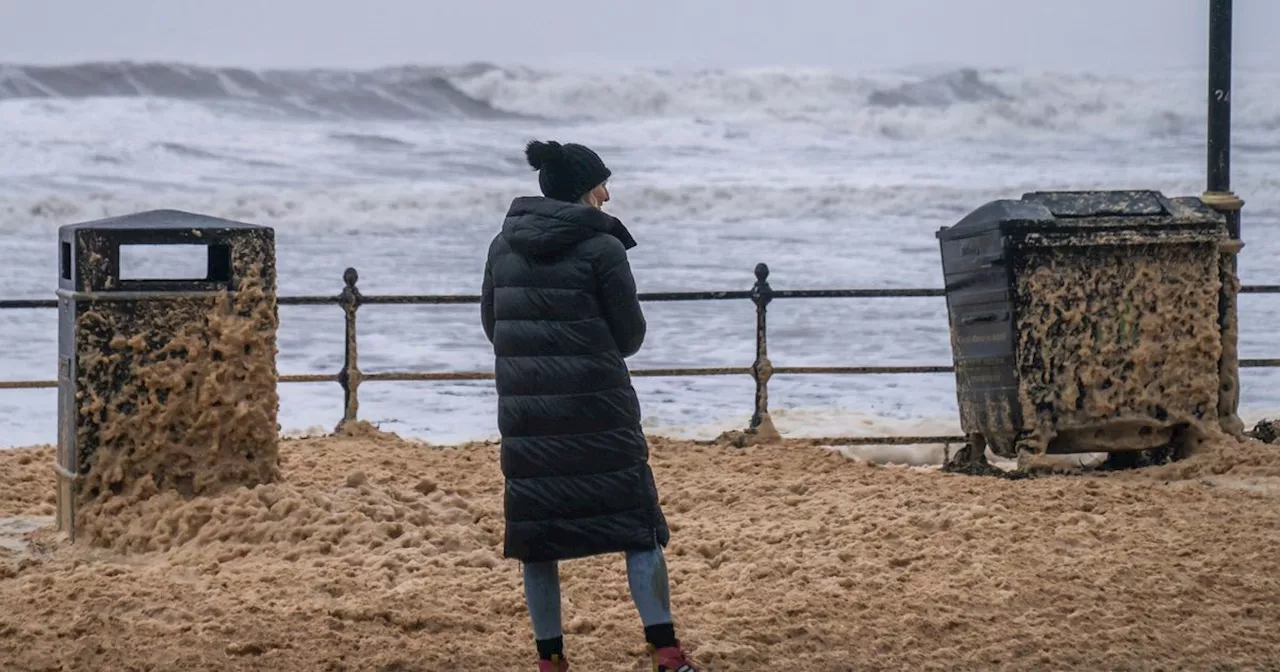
x,y
542,227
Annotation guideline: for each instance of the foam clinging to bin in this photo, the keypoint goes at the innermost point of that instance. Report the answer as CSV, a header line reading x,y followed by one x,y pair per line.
x,y
192,406
1123,335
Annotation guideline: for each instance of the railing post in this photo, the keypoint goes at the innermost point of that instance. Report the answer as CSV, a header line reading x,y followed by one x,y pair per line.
x,y
1218,195
349,377
761,370
1218,174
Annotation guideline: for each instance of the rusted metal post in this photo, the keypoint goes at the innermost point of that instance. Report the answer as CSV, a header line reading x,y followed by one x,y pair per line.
x,y
1218,195
762,369
349,377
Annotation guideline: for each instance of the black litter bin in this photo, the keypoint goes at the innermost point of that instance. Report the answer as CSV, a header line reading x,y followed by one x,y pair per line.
x,y
1084,321
165,379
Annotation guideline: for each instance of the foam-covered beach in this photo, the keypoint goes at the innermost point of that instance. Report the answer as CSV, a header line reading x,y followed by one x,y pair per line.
x,y
371,552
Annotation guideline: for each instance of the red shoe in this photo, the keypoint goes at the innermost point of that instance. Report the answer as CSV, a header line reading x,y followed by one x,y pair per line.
x,y
556,664
670,659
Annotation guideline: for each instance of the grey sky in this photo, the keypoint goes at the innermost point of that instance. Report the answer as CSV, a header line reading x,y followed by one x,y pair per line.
x,y
1099,35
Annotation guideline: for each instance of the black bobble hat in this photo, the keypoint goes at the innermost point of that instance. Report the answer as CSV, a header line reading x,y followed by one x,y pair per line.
x,y
566,172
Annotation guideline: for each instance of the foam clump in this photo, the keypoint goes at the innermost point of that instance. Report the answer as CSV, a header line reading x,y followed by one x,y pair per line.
x,y
355,507
1267,431
1216,453
360,520
362,429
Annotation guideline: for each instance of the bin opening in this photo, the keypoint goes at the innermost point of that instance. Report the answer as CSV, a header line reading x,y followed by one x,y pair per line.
x,y
66,260
185,261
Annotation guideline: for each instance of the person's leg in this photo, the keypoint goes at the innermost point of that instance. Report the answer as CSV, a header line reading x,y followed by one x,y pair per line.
x,y
651,590
542,595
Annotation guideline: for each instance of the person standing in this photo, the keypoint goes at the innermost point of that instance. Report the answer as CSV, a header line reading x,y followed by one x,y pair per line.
x,y
559,306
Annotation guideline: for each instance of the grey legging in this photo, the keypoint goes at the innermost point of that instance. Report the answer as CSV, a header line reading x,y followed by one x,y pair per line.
x,y
646,575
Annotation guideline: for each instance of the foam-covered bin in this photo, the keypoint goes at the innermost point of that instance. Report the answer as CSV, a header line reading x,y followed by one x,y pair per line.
x,y
1085,321
164,383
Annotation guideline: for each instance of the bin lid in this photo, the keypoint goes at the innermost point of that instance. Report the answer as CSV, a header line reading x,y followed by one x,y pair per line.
x,y
1067,204
1081,213
162,220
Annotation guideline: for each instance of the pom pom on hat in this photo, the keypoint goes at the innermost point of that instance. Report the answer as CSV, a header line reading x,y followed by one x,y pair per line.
x,y
541,153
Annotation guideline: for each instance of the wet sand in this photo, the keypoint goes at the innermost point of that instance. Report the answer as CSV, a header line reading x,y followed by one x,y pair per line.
x,y
373,553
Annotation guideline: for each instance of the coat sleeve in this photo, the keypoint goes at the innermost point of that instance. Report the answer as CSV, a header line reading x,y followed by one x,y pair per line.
x,y
618,298
487,318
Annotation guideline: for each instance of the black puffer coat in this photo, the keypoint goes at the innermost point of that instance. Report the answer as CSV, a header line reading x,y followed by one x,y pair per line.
x,y
559,305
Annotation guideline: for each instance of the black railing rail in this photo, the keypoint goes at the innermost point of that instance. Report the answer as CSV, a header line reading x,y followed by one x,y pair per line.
x,y
350,377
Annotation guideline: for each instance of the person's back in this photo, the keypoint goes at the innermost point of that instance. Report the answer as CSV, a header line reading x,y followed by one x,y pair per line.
x,y
565,316
560,307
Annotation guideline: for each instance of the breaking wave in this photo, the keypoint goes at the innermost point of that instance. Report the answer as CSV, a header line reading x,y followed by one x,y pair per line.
x,y
371,141
403,93
1166,103
960,86
894,103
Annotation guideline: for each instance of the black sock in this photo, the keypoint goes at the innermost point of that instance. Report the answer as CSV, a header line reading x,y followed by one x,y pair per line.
x,y
661,636
550,647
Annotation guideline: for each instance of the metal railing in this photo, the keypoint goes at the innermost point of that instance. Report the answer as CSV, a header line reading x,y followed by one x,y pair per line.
x,y
350,377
